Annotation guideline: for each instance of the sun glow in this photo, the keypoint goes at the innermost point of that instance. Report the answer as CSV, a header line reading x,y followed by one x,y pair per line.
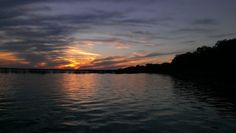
x,y
74,58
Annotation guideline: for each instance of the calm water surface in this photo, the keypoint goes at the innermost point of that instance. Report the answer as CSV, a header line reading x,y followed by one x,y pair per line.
x,y
107,103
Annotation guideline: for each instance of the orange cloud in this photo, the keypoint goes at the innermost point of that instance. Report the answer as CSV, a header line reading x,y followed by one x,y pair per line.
x,y
73,57
8,58
41,64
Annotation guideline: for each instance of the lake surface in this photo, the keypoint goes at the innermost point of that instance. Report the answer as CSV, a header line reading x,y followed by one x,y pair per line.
x,y
111,103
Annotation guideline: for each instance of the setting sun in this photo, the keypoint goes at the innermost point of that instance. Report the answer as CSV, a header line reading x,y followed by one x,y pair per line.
x,y
74,58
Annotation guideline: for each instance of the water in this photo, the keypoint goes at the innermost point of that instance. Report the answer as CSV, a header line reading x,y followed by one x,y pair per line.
x,y
107,103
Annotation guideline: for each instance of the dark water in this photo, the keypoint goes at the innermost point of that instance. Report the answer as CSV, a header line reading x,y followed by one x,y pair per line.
x,y
93,103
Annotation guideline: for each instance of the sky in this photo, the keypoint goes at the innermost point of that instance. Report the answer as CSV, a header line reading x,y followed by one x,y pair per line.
x,y
108,34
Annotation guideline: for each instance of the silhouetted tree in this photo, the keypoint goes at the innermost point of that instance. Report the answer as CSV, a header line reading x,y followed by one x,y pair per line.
x,y
217,60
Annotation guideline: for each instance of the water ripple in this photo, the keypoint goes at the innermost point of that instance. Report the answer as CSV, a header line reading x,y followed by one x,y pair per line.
x,y
111,103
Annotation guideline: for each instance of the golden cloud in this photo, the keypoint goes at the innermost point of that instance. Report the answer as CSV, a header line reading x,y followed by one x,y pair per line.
x,y
8,58
74,57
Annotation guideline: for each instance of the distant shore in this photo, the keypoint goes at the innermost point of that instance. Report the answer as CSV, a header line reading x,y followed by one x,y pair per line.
x,y
45,71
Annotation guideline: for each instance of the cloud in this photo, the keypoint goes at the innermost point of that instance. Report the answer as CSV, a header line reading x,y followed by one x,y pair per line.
x,y
188,42
223,35
10,59
42,32
206,21
194,30
114,62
